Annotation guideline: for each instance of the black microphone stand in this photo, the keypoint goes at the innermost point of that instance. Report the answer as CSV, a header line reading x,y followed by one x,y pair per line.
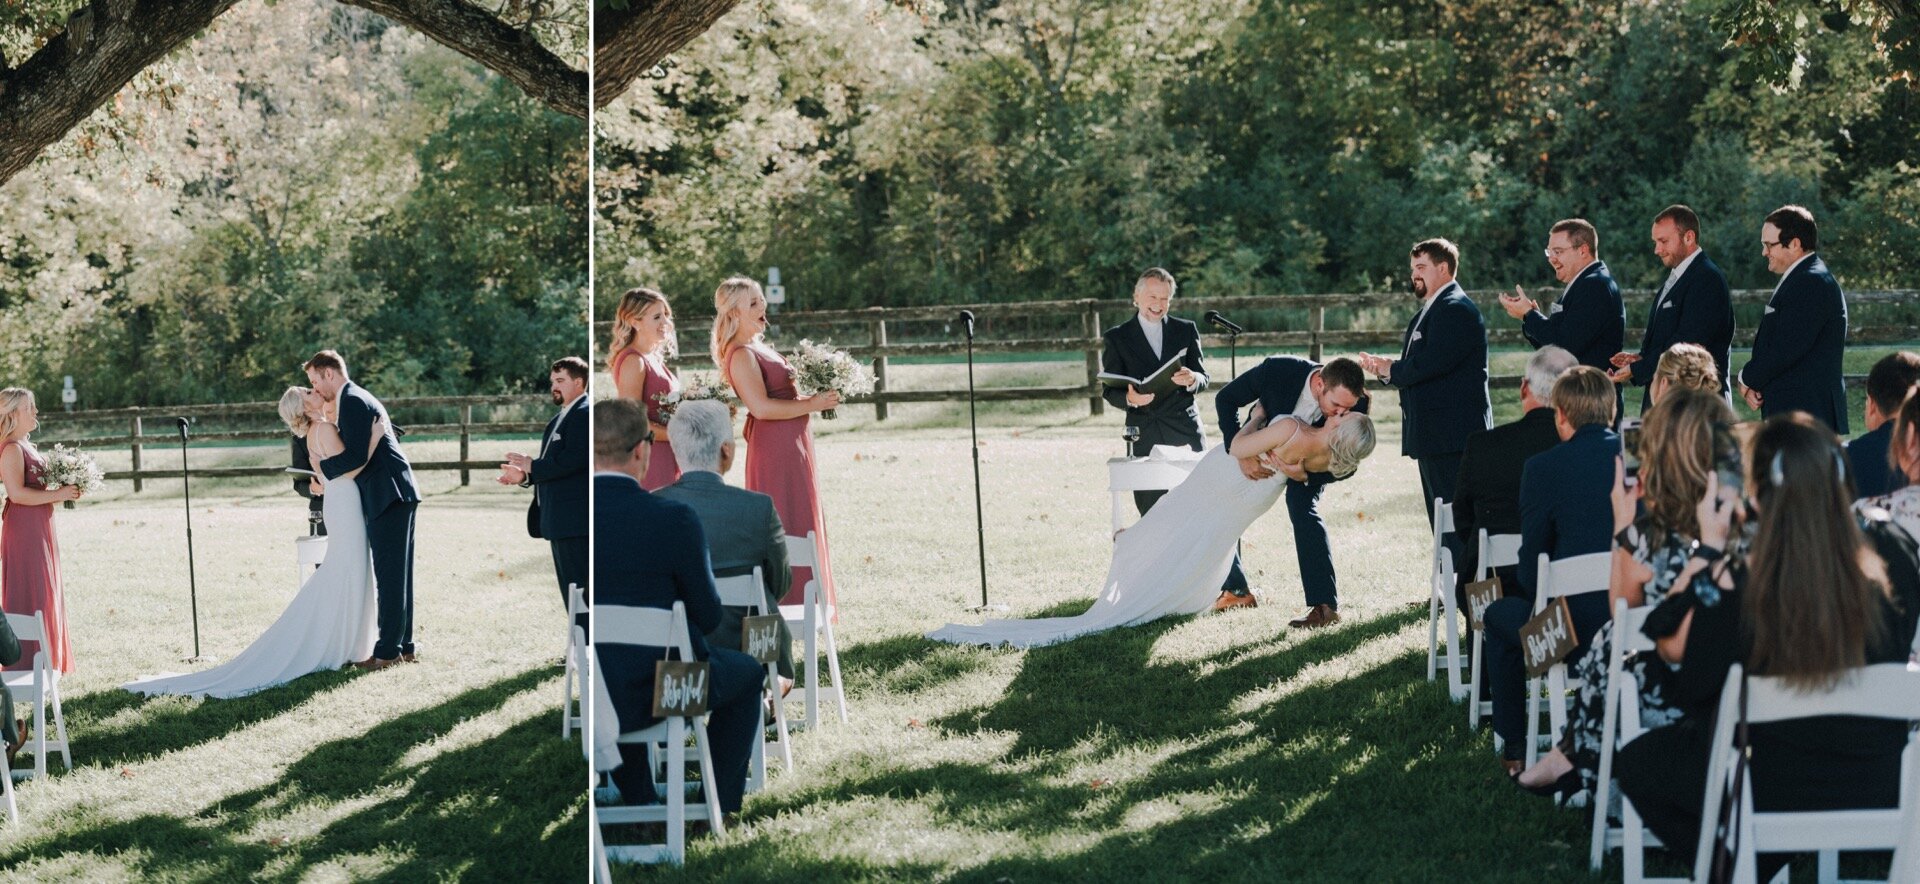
x,y
979,514
193,583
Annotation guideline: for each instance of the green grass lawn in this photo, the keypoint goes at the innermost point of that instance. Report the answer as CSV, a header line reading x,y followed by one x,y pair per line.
x,y
451,768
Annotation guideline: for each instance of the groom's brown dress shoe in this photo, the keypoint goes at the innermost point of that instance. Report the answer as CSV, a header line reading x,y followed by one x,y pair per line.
x,y
1229,600
374,664
409,658
1317,616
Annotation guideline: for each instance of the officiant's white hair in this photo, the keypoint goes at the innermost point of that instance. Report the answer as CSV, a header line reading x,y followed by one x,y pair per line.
x,y
1545,366
1350,444
698,430
293,410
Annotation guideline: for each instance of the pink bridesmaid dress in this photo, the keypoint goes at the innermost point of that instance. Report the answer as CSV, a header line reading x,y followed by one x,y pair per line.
x,y
662,469
30,568
780,465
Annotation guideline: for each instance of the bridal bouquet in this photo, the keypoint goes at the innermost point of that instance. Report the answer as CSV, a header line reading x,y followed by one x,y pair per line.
x,y
818,368
71,466
694,386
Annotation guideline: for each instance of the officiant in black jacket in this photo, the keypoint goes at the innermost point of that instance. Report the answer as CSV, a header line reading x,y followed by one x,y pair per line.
x,y
1137,348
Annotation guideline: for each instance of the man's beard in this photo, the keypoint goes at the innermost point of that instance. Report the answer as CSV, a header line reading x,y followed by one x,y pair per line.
x,y
1418,286
556,397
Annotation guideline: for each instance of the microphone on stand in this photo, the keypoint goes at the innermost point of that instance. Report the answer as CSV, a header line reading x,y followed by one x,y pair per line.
x,y
1233,331
973,428
966,319
193,583
1222,323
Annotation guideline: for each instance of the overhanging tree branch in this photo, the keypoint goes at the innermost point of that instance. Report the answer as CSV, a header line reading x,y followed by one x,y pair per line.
x,y
629,38
506,50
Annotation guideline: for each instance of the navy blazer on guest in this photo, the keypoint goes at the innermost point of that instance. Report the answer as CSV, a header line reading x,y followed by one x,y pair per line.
x,y
1566,502
1698,309
1872,474
1442,376
1170,416
1276,383
651,553
1589,321
1798,348
559,476
388,477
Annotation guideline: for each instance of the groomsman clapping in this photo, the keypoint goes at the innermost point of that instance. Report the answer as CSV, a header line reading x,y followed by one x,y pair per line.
x,y
558,476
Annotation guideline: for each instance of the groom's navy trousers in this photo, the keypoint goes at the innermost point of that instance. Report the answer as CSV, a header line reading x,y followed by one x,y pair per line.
x,y
390,538
388,498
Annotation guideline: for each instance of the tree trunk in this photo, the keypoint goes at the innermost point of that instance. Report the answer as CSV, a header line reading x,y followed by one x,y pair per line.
x,y
629,42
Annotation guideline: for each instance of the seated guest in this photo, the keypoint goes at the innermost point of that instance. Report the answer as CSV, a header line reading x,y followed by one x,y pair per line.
x,y
1887,386
1487,494
1683,365
1565,511
743,531
13,734
1787,612
1902,506
651,553
1655,527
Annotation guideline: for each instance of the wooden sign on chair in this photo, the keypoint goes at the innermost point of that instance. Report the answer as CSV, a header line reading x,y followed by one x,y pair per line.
x,y
679,689
760,637
1480,594
1548,638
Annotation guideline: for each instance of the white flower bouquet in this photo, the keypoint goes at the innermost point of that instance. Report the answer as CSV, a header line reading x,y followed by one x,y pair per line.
x,y
71,466
694,385
818,368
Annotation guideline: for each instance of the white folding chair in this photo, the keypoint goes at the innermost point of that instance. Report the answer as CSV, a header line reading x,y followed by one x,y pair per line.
x,y
575,659
1560,578
1440,602
39,686
750,591
1496,551
1620,726
813,618
6,792
1887,690
665,629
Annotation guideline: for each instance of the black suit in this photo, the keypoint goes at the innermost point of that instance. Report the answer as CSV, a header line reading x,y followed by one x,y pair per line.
x,y
1276,383
1442,379
559,508
652,553
1487,494
1696,309
1566,510
1589,321
388,498
1171,418
1797,351
303,486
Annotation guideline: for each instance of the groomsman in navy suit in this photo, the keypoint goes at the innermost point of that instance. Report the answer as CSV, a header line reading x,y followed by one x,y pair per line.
x,y
1441,373
1803,335
1589,320
1694,305
1312,393
558,477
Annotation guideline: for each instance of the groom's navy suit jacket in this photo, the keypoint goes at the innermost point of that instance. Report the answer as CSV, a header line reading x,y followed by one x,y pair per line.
x,y
388,477
1276,383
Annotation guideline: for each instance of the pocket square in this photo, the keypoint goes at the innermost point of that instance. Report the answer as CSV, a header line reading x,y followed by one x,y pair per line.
x,y
1416,336
1557,307
1666,305
1769,309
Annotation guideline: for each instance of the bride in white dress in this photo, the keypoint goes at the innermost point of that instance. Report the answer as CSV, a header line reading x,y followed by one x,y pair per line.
x,y
1174,559
330,623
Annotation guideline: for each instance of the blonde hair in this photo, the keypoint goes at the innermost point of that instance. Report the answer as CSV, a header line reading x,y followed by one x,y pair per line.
x,y
12,400
732,294
1688,366
1676,454
293,410
626,320
1350,444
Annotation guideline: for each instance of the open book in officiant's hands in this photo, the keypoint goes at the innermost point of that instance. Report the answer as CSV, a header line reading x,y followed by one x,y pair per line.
x,y
1161,381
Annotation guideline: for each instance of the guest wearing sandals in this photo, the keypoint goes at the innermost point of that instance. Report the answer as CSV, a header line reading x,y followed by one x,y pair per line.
x,y
1785,612
642,343
780,462
1652,546
29,551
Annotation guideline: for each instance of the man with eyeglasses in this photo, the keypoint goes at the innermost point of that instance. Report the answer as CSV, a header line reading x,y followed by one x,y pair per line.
x,y
1802,338
1589,320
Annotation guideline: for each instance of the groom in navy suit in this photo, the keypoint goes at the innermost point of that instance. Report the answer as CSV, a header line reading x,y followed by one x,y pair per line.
x,y
1803,336
1290,385
388,498
1693,306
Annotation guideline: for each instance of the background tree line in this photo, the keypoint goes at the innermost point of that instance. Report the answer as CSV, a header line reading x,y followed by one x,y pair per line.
x,y
976,150
310,175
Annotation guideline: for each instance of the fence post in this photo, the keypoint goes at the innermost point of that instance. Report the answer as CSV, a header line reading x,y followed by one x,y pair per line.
x,y
136,454
880,369
1317,320
1090,329
466,437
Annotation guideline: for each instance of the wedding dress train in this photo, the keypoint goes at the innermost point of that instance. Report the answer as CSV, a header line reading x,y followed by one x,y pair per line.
x,y
1170,562
329,624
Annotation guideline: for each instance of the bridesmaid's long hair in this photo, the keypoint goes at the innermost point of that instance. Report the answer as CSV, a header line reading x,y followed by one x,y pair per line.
x,y
634,304
732,294
12,401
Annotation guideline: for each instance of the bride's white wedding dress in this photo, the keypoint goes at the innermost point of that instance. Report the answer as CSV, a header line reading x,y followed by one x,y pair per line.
x,y
329,624
1170,562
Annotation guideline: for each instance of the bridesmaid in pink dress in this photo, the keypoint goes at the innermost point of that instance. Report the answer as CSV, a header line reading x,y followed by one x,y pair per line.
x,y
779,442
642,344
29,554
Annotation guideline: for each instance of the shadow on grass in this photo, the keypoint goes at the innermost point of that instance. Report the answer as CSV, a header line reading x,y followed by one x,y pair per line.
x,y
1274,760
511,807
167,724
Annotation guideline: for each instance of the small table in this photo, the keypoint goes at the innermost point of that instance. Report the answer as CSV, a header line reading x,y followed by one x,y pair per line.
x,y
1129,474
309,552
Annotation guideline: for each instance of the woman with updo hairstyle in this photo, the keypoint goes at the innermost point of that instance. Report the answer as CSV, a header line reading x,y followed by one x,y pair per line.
x,y
29,549
642,343
1687,366
780,461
